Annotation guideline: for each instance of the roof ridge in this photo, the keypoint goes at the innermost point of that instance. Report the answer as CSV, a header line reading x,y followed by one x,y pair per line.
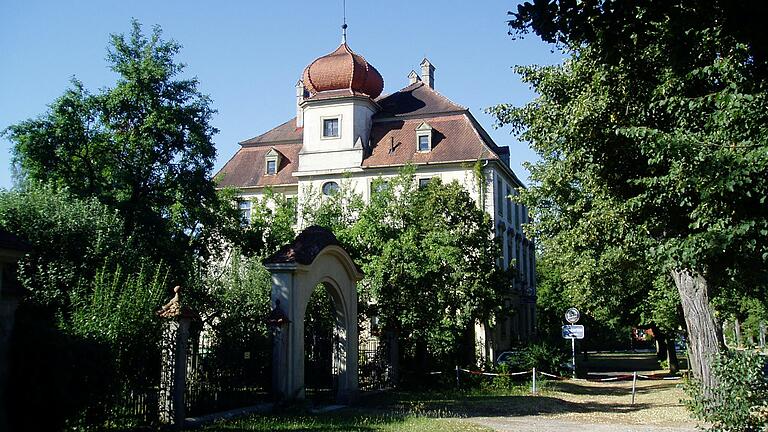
x,y
445,98
247,141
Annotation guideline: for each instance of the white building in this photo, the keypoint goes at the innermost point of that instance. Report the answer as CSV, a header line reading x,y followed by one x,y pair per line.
x,y
345,127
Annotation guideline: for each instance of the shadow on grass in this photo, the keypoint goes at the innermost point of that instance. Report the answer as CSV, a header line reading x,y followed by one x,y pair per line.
x,y
471,405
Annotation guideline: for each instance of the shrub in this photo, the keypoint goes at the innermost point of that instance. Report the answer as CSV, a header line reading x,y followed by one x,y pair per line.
x,y
544,357
71,239
740,402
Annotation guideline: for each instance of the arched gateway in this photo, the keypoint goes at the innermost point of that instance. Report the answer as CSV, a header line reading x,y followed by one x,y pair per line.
x,y
314,257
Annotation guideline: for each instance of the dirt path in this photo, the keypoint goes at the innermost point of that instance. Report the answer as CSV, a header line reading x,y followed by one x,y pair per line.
x,y
544,424
593,406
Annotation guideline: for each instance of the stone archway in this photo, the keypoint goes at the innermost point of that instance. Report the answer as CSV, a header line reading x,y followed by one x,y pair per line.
x,y
314,257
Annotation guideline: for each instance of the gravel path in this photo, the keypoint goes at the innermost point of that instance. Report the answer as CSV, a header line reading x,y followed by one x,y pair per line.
x,y
542,424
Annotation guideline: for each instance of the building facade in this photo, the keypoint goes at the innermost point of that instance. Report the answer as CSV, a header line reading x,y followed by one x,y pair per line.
x,y
345,128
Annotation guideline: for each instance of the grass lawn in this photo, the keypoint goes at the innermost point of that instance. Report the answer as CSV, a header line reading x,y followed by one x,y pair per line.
x,y
657,403
349,420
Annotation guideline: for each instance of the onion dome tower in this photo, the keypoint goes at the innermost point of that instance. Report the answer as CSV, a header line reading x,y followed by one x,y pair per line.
x,y
343,70
336,103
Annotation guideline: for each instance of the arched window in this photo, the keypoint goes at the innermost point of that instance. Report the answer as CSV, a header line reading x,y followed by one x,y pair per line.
x,y
330,188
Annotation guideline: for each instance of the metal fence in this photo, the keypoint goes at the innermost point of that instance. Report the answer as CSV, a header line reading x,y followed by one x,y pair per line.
x,y
221,376
374,369
135,407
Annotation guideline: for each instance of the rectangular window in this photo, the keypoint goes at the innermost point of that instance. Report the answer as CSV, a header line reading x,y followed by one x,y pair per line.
x,y
271,166
504,251
423,182
245,212
423,143
509,204
331,128
499,198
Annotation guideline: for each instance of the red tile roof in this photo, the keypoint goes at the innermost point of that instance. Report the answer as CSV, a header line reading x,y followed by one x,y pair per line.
x,y
415,100
454,138
343,69
247,167
286,132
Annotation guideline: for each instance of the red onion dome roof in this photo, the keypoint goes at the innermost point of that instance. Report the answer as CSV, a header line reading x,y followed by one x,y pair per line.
x,y
343,70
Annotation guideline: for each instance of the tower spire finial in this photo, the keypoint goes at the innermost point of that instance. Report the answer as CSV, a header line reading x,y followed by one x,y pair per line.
x,y
344,25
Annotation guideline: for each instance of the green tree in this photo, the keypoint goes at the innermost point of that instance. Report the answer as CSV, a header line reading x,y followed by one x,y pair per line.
x,y
273,217
429,257
653,134
142,147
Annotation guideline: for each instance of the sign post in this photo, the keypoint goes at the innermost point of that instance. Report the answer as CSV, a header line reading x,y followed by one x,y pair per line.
x,y
573,332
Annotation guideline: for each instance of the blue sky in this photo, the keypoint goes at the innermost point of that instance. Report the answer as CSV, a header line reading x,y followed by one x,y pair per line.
x,y
248,55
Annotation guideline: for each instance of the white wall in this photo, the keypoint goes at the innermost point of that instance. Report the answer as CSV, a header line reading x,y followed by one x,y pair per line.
x,y
344,152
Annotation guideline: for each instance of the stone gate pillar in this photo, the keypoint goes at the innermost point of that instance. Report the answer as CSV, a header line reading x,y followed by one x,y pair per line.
x,y
278,323
173,372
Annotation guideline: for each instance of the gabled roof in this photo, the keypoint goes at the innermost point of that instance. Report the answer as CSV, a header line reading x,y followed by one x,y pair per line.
x,y
415,100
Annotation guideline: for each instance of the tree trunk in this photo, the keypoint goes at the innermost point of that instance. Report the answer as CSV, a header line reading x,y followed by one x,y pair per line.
x,y
737,330
704,337
674,364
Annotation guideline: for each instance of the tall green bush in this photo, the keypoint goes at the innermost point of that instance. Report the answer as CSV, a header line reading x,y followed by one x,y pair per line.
x,y
117,308
235,322
71,239
740,402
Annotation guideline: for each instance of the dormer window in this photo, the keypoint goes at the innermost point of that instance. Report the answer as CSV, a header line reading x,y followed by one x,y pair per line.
x,y
272,161
331,127
424,138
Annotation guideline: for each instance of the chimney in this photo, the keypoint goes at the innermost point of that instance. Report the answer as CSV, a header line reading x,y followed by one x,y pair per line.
x,y
300,94
428,73
413,77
